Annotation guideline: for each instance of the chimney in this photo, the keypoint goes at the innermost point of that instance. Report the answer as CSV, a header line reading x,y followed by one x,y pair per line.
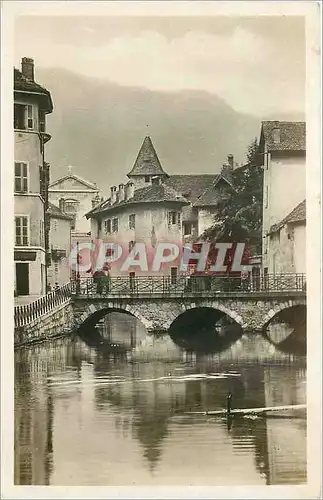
x,y
61,204
230,161
95,200
225,168
276,135
121,192
27,68
113,194
155,180
130,190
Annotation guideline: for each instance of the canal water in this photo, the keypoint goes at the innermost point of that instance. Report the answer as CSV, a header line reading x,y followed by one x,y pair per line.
x,y
104,416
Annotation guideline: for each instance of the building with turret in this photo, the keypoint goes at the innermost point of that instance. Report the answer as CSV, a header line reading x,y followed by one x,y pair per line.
x,y
153,206
32,103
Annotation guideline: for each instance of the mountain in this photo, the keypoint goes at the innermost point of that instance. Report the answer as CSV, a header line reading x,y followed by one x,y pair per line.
x,y
98,127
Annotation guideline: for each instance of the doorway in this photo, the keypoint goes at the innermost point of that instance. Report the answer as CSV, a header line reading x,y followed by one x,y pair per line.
x,y
22,278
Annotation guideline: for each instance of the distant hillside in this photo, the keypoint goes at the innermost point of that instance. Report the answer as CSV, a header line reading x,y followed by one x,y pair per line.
x,y
98,127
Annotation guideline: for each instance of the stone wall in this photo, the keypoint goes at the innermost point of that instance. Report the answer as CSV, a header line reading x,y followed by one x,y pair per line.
x,y
56,323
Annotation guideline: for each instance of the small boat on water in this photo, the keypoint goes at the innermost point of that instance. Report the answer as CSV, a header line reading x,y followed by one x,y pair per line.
x,y
284,411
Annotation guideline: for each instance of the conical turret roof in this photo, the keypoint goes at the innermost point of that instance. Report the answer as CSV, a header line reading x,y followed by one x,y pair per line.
x,y
147,162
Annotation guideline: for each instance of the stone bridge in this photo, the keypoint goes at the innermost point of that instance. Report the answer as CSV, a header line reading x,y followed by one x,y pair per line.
x,y
252,312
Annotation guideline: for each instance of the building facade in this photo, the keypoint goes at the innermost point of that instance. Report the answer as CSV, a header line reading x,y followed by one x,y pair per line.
x,y
59,271
283,149
32,103
154,206
75,197
288,243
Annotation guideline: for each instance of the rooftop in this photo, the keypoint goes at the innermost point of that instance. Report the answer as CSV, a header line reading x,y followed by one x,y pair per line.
x,y
296,215
283,136
24,84
147,161
191,186
55,211
155,193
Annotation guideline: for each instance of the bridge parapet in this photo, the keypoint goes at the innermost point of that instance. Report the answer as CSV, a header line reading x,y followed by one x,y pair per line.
x,y
189,286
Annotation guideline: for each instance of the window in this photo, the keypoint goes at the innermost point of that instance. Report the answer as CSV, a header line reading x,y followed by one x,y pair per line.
x,y
115,225
132,221
23,116
147,178
30,120
19,119
70,206
107,226
42,121
21,229
174,218
187,228
21,178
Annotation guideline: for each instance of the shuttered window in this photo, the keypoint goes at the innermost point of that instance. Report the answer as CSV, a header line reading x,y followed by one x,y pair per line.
x,y
21,177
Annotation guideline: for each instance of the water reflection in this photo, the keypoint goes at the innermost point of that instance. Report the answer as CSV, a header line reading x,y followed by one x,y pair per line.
x,y
82,418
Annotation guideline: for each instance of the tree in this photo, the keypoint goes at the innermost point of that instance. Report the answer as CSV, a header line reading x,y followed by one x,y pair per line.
x,y
239,209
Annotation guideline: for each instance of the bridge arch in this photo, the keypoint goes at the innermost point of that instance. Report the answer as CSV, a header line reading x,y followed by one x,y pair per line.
x,y
213,304
101,309
279,308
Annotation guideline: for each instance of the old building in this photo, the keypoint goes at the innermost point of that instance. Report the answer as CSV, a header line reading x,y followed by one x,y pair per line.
x,y
59,246
154,206
287,241
283,148
75,196
32,103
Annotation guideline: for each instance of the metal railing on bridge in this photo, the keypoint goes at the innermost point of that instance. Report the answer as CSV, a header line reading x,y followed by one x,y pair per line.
x,y
170,286
27,313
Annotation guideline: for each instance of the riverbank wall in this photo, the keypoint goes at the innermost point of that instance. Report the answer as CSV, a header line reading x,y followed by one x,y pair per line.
x,y
58,322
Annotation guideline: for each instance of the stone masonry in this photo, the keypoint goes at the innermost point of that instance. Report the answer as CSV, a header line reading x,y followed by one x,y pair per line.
x,y
55,323
157,314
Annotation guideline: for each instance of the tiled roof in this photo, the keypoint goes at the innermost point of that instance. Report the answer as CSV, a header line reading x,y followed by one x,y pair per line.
x,y
296,215
147,161
55,211
290,136
191,186
211,194
155,193
22,83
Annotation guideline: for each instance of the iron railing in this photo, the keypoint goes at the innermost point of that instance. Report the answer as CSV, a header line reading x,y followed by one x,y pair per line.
x,y
28,313
186,285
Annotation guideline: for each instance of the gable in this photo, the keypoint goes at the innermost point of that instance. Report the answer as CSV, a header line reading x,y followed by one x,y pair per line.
x,y
72,183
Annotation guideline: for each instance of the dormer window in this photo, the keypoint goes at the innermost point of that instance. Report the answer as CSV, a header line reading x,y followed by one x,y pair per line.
x,y
147,178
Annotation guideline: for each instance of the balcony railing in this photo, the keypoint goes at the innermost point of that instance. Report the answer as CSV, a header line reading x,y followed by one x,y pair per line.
x,y
186,285
28,313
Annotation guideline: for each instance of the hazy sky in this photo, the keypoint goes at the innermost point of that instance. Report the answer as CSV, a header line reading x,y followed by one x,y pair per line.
x,y
256,64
